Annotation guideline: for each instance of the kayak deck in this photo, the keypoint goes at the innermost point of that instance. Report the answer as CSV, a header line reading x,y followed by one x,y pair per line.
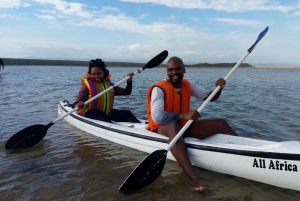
x,y
225,141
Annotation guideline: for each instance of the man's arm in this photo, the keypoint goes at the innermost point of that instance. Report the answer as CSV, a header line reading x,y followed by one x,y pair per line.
x,y
220,82
159,116
198,92
203,94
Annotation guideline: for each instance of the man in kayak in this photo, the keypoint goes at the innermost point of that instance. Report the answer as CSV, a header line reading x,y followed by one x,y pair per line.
x,y
169,109
97,79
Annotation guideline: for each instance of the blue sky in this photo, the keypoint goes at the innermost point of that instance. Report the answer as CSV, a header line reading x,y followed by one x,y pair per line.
x,y
137,30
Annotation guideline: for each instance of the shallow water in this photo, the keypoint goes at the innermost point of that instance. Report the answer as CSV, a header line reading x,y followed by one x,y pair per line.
x,y
70,164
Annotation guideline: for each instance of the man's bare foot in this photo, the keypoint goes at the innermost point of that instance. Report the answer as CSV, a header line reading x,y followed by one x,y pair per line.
x,y
196,185
200,188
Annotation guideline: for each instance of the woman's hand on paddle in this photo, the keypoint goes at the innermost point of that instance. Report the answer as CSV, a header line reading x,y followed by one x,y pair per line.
x,y
131,75
80,104
191,115
221,82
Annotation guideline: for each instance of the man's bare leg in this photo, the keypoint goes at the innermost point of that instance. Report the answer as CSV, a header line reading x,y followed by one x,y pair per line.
x,y
179,152
204,128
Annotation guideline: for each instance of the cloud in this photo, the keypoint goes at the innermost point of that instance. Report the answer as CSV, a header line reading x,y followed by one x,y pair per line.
x,y
12,3
222,47
63,50
146,38
296,13
253,23
143,16
67,8
5,16
136,46
124,23
109,8
195,19
48,11
224,5
46,17
5,30
2,16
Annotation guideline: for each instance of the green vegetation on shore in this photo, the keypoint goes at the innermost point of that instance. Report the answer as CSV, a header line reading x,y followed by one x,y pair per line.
x,y
43,62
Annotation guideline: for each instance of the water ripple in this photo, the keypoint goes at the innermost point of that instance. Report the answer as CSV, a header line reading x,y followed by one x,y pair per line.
x,y
70,164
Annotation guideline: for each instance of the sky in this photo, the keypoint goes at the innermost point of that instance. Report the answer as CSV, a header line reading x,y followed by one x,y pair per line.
x,y
197,31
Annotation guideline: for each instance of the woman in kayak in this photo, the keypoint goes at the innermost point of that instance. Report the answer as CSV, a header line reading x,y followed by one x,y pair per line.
x,y
97,79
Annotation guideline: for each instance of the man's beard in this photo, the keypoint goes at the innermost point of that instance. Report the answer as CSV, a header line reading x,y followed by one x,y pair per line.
x,y
177,80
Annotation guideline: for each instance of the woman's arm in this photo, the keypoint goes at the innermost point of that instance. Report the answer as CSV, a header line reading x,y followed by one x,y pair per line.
x,y
119,91
83,94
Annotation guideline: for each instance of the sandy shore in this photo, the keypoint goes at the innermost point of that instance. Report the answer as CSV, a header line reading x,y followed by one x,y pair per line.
x,y
254,67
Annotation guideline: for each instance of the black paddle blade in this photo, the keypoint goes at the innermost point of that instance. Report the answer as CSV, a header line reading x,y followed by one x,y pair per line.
x,y
28,137
146,172
157,60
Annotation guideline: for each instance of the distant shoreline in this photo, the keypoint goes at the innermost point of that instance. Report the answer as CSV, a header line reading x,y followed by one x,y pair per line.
x,y
277,67
40,62
44,62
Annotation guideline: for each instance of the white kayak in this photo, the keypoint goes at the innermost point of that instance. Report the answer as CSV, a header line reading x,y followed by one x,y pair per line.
x,y
274,163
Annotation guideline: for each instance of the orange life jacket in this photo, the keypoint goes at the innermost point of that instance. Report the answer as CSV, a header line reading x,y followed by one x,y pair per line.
x,y
174,102
104,102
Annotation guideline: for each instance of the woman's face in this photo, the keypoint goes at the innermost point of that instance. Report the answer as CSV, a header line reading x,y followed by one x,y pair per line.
x,y
97,74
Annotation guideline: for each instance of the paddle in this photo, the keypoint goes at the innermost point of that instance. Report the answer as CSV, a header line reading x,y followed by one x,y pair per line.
x,y
151,167
32,135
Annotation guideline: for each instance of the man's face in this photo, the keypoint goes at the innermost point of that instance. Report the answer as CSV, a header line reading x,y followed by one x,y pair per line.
x,y
175,71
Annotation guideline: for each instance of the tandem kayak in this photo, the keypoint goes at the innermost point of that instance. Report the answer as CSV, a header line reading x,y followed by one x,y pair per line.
x,y
274,163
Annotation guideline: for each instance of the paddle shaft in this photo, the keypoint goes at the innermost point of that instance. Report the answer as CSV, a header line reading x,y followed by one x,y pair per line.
x,y
183,129
155,61
97,96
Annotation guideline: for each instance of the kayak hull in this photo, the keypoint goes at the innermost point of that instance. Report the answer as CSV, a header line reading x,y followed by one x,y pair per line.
x,y
274,163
